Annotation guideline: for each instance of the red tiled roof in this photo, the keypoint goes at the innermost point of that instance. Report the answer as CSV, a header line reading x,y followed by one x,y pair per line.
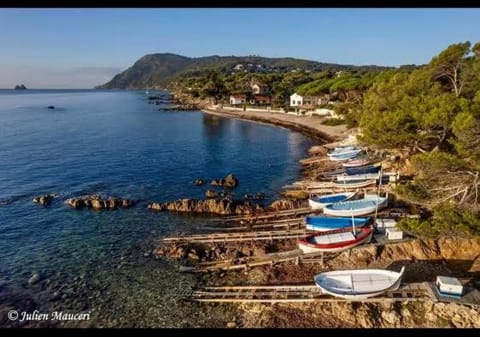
x,y
238,96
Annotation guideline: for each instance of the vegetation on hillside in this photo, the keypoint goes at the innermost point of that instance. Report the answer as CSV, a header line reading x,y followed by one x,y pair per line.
x,y
433,114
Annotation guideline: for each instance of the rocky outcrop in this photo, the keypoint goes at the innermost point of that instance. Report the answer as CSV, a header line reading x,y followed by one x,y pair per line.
x,y
230,181
296,194
284,204
361,315
210,194
223,206
98,203
199,182
45,199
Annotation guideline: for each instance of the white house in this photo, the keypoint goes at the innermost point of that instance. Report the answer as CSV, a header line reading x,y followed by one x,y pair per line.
x,y
296,100
237,99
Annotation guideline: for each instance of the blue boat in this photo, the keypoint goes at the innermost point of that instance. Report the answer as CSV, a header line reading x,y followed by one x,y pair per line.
x,y
365,206
363,169
325,223
319,202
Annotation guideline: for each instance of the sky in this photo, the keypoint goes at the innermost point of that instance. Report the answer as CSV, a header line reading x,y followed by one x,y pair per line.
x,y
81,48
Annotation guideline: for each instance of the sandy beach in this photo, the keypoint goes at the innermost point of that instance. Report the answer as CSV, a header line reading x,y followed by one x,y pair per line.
x,y
311,125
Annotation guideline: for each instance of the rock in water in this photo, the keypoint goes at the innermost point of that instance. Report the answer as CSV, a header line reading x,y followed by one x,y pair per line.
x,y
217,182
51,107
97,203
210,194
34,279
44,199
199,182
230,181
224,206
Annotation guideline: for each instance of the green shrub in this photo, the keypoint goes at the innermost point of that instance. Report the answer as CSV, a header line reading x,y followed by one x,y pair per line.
x,y
333,121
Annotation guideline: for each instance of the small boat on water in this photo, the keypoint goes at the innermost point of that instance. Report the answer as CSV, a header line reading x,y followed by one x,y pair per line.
x,y
336,240
346,184
375,168
360,283
319,202
325,223
356,162
364,206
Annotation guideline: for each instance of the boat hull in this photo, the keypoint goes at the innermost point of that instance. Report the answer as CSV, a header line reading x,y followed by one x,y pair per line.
x,y
363,169
321,202
348,284
356,207
323,223
354,183
363,236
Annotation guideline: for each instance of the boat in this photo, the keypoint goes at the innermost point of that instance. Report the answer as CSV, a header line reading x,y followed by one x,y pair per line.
x,y
359,283
356,162
363,169
335,240
318,202
331,173
364,206
344,155
325,223
357,177
341,149
346,184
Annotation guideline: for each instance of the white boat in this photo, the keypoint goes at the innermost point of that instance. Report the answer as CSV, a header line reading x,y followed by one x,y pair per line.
x,y
358,177
356,162
364,206
319,202
344,155
346,184
358,284
341,149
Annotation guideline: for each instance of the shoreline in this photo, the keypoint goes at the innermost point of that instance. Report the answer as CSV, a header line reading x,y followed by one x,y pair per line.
x,y
311,126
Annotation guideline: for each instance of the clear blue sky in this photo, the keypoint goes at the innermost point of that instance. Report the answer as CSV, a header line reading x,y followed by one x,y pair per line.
x,y
80,48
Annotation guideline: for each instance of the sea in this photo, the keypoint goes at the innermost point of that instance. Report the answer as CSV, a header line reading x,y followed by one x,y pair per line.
x,y
114,143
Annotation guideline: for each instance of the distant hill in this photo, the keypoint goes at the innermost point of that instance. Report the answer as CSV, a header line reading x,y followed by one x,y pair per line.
x,y
157,70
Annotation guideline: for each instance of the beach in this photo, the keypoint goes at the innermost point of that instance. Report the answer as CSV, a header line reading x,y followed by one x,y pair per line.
x,y
310,125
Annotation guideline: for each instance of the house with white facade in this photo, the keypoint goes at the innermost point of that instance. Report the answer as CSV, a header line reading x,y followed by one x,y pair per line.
x,y
296,100
237,99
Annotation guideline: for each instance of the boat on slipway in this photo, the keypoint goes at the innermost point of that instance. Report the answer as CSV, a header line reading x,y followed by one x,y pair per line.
x,y
367,205
319,202
335,240
328,223
359,283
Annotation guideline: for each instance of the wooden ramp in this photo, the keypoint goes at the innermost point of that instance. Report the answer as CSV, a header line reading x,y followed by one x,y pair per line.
x,y
250,262
239,236
299,293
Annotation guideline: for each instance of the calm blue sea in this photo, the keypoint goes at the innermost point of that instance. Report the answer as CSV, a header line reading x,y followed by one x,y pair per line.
x,y
114,142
